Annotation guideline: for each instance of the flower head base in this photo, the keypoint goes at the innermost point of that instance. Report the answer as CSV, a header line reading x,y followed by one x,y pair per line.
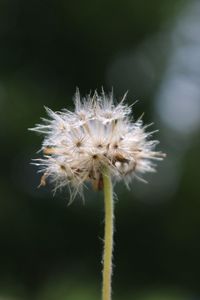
x,y
79,145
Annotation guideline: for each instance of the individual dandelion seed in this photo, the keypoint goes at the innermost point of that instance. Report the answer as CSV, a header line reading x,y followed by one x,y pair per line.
x,y
97,143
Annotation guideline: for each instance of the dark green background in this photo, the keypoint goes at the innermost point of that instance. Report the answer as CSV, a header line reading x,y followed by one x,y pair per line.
x,y
49,250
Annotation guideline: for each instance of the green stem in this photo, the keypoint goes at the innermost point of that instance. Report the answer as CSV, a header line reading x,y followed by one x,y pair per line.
x,y
108,236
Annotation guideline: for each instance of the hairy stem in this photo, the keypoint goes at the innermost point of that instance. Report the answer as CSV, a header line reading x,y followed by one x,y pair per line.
x,y
108,236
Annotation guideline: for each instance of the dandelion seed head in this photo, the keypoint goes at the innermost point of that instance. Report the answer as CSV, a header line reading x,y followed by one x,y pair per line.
x,y
99,134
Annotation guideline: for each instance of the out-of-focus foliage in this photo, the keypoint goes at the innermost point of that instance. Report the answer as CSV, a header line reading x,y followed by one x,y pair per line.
x,y
151,48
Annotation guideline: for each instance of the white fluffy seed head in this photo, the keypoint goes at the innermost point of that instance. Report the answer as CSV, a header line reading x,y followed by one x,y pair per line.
x,y
79,145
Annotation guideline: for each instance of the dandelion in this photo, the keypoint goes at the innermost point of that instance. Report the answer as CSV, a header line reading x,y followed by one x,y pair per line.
x,y
98,143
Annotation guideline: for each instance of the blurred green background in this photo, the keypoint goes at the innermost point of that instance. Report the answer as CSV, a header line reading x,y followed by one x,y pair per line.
x,y
50,251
